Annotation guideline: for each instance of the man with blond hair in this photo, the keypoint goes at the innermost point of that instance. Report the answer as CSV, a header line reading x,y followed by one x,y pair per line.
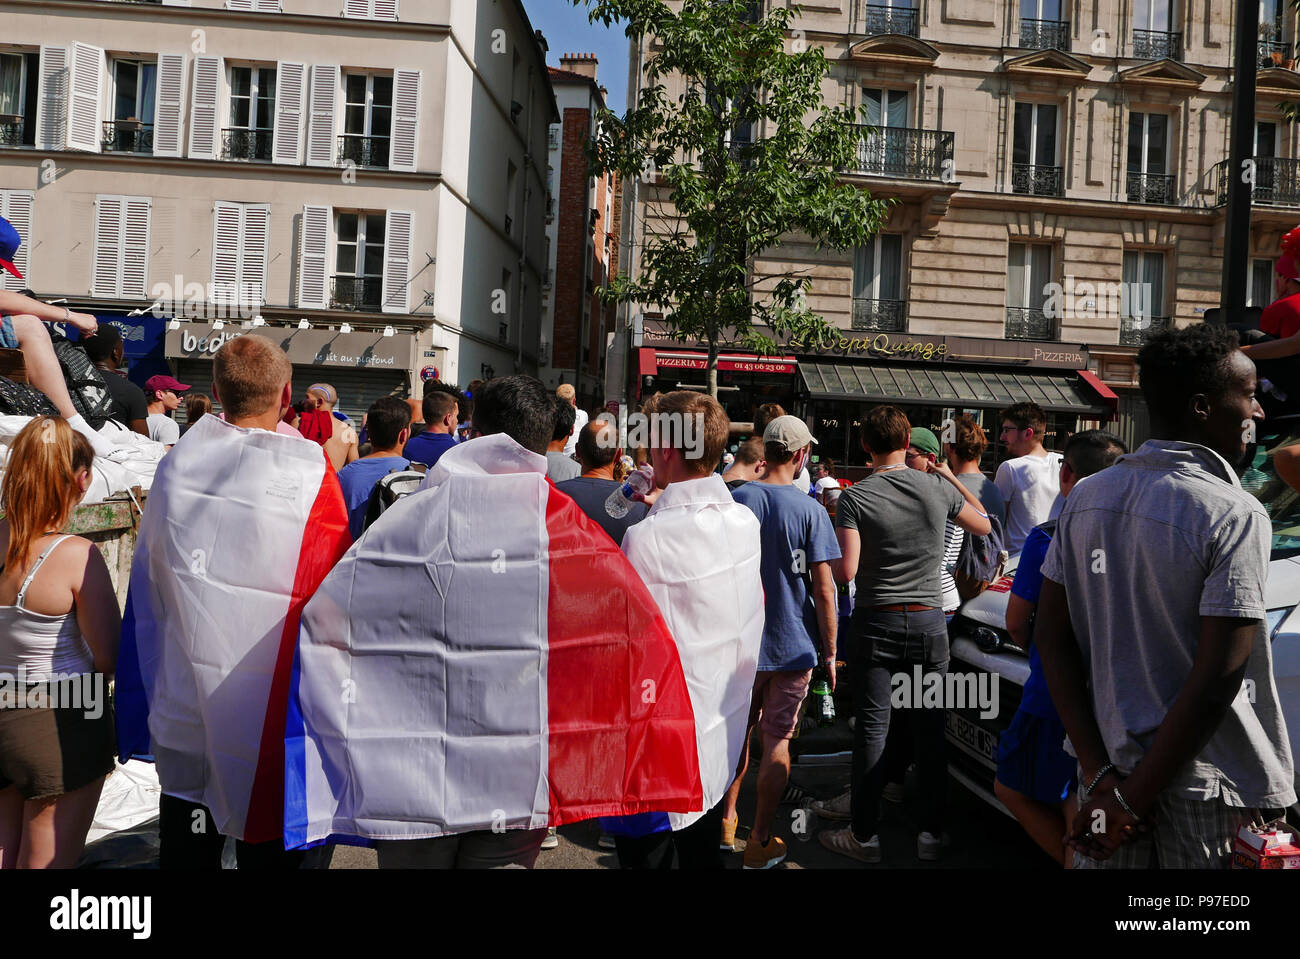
x,y
568,395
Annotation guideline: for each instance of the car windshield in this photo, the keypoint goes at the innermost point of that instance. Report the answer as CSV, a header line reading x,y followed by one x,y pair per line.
x,y
1279,499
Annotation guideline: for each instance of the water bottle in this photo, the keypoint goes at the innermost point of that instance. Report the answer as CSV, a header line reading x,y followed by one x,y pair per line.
x,y
620,501
823,701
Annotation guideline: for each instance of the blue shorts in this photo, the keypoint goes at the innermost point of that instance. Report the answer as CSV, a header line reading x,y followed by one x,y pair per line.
x,y
1032,760
8,338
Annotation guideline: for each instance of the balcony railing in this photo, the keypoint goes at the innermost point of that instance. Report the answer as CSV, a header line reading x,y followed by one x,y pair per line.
x,y
127,136
877,19
1025,324
1037,180
356,293
1136,330
1277,182
1151,188
903,152
11,131
1274,53
884,316
1044,34
1157,45
241,144
363,151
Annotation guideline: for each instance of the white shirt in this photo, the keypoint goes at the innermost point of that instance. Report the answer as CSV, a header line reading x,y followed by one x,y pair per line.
x,y
163,429
825,483
1030,485
803,481
578,425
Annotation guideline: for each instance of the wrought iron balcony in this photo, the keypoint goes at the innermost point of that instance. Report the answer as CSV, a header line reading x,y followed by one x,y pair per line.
x,y
1274,53
884,316
241,144
127,136
1136,330
1157,45
904,153
1044,34
356,293
1037,180
1151,188
1025,324
363,151
11,131
1277,182
877,19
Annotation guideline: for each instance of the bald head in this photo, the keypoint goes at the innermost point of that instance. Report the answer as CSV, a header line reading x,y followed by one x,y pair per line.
x,y
249,376
598,448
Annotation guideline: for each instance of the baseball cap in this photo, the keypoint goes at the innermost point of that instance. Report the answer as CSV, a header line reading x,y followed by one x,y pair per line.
x,y
161,382
925,440
9,243
790,432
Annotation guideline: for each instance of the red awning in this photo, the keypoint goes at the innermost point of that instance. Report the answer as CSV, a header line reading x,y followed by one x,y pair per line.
x,y
732,362
646,362
1107,395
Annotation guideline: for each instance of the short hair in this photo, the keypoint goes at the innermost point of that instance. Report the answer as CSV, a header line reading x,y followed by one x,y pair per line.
x,y
969,439
886,429
385,420
766,414
565,417
249,372
1092,451
687,404
519,406
439,400
776,454
100,347
751,452
566,392
592,454
828,464
1176,365
1026,416
197,406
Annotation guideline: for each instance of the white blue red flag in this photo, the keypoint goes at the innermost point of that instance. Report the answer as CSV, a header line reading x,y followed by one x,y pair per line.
x,y
239,529
484,658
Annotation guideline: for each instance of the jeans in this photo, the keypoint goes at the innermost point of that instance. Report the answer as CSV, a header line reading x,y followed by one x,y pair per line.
x,y
188,839
881,645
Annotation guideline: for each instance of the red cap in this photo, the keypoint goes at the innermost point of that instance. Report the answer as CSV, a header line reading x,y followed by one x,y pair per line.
x,y
157,384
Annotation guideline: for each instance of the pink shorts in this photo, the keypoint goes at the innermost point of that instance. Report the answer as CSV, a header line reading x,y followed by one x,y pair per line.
x,y
778,694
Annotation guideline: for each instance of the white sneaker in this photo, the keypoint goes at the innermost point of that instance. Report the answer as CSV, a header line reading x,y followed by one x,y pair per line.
x,y
839,808
929,847
551,840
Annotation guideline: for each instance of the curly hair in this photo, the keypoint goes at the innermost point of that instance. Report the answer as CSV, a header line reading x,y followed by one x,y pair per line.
x,y
1176,365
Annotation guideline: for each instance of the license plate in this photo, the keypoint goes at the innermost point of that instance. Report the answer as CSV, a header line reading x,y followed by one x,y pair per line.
x,y
974,738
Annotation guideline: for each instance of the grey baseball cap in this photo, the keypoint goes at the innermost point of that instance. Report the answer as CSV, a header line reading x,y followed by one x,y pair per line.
x,y
789,431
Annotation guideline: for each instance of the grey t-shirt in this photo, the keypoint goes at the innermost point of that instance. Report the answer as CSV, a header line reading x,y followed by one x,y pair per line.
x,y
560,467
987,492
900,516
1144,550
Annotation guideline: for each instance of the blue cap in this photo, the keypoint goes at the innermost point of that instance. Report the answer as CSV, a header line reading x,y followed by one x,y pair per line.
x,y
9,243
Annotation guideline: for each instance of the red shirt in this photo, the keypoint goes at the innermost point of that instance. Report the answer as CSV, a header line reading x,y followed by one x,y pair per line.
x,y
1282,318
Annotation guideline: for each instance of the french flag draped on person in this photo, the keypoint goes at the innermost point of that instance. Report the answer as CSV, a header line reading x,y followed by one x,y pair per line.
x,y
240,528
484,657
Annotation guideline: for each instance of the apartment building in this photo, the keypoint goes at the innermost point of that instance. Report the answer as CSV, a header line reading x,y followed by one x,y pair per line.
x,y
1060,171
354,178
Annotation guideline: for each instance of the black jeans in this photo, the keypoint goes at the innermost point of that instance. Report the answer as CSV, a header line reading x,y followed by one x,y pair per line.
x,y
883,645
188,839
696,846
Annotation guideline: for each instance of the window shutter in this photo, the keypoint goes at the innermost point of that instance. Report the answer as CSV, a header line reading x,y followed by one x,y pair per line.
x,y
204,143
320,131
357,8
85,86
135,245
397,261
167,117
245,6
385,9
253,247
52,104
406,120
16,207
267,6
176,3
225,251
290,105
312,272
108,246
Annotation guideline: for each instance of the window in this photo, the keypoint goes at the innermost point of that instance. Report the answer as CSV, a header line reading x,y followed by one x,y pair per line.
x,y
367,119
554,135
1033,160
1029,271
359,261
1042,27
252,114
878,285
135,88
1142,299
1261,283
883,150
1148,159
16,207
18,95
1153,31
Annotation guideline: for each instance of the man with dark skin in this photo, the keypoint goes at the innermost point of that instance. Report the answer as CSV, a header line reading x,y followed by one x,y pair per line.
x,y
107,351
1171,517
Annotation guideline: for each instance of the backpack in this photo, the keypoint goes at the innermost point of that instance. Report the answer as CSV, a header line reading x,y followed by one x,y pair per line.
x,y
20,399
396,485
86,386
981,561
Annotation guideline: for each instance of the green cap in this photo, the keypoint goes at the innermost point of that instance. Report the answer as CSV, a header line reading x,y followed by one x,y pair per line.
x,y
925,440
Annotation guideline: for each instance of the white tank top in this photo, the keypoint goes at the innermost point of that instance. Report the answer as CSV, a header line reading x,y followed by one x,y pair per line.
x,y
36,646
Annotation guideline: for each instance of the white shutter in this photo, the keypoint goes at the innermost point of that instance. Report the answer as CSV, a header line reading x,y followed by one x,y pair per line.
x,y
135,245
204,128
357,8
16,207
108,246
406,120
243,5
52,104
290,105
253,247
313,276
397,261
225,251
267,6
176,3
167,117
320,129
85,88
385,9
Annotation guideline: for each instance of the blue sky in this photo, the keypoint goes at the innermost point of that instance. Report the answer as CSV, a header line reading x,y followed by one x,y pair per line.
x,y
567,30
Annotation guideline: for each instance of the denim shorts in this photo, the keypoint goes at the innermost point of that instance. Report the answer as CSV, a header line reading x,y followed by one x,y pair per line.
x,y
8,338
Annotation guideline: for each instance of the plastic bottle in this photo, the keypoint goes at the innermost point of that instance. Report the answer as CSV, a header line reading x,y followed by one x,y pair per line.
x,y
620,501
823,702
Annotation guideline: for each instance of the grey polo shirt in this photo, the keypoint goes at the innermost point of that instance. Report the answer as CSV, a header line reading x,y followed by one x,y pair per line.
x,y
1144,550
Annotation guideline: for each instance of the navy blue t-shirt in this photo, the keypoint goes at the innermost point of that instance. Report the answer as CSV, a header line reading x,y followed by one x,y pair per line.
x,y
795,532
428,447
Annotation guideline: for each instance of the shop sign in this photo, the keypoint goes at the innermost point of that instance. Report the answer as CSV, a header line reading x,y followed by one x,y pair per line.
x,y
366,350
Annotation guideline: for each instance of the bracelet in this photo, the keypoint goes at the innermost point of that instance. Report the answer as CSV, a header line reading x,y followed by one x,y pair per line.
x,y
1101,774
1125,806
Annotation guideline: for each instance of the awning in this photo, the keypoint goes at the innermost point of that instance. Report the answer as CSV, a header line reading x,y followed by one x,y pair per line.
x,y
951,385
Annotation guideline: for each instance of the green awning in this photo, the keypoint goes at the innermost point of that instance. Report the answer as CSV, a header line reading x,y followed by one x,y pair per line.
x,y
949,386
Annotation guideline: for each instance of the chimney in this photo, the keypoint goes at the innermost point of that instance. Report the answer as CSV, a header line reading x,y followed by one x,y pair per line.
x,y
583,63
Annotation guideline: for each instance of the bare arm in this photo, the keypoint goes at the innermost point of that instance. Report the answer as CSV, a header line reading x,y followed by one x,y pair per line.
x,y
1020,618
14,303
826,600
97,612
1274,349
139,426
846,567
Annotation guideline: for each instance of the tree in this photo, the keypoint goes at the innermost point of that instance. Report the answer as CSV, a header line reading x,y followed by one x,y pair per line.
x,y
749,152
